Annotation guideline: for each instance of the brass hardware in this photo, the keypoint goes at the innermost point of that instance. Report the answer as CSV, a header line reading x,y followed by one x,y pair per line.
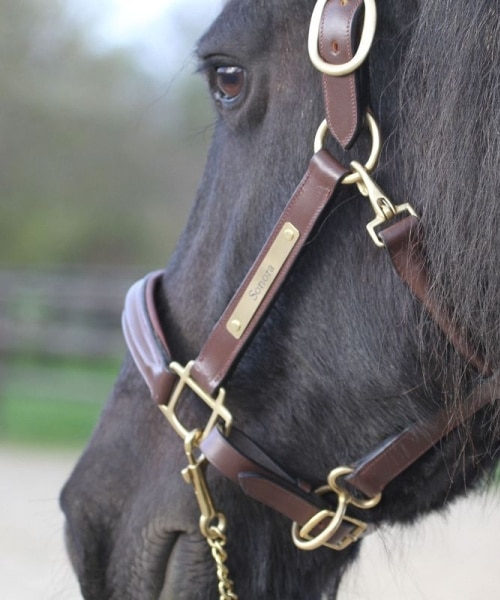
x,y
212,522
268,270
319,138
384,209
216,404
303,537
335,487
194,474
219,554
235,326
372,161
367,34
303,540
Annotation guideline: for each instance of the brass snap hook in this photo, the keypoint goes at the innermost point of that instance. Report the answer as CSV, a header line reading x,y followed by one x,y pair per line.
x,y
383,208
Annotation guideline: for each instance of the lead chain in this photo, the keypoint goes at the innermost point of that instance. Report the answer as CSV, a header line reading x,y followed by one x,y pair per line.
x,y
212,521
219,555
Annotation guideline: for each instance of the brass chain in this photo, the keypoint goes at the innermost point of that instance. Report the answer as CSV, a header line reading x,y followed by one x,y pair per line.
x,y
212,522
219,555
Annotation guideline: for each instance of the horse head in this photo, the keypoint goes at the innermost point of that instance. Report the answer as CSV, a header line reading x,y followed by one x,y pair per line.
x,y
346,357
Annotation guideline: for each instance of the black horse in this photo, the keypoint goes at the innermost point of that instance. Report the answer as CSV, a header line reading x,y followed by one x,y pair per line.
x,y
346,356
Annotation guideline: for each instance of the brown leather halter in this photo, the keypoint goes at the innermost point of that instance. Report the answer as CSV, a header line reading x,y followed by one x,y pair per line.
x,y
316,521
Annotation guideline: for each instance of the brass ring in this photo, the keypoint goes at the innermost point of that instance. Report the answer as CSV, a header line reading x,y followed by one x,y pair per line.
x,y
357,502
365,43
214,527
371,163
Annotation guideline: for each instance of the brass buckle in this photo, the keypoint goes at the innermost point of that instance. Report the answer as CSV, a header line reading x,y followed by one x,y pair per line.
x,y
383,208
302,536
365,43
216,404
351,536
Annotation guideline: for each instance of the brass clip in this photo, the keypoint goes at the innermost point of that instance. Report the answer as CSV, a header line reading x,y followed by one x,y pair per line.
x,y
212,522
384,209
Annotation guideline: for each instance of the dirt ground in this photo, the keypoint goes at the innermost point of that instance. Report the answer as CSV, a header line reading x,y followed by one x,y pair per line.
x,y
442,559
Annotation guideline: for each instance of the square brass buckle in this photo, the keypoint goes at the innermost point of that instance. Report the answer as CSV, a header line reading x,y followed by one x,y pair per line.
x,y
216,404
351,536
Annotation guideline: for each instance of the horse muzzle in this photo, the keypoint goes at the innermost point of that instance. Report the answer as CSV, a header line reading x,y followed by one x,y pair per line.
x,y
162,566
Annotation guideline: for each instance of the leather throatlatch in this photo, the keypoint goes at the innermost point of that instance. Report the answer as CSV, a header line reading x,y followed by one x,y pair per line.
x,y
316,521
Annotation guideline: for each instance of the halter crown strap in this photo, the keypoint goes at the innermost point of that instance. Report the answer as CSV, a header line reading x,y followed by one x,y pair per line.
x,y
345,96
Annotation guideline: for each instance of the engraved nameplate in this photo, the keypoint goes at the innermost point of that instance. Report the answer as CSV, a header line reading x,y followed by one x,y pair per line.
x,y
261,282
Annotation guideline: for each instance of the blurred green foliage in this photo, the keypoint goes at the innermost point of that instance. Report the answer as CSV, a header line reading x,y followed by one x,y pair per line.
x,y
99,161
53,404
99,164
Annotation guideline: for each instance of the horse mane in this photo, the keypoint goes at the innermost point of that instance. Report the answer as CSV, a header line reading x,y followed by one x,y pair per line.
x,y
450,124
435,92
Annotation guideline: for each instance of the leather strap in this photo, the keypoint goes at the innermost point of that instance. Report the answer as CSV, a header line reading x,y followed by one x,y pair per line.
x,y
145,339
403,241
242,461
218,356
346,98
239,459
303,210
376,470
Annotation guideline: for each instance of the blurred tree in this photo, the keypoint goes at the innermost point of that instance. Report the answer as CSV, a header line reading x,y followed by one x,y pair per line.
x,y
90,169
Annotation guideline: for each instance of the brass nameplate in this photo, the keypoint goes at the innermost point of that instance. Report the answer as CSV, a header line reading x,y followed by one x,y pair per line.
x,y
261,282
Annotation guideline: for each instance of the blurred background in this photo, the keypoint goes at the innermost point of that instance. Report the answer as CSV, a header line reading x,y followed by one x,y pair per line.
x,y
104,126
103,131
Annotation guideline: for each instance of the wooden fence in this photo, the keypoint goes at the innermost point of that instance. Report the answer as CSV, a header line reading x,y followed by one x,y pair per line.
x,y
73,313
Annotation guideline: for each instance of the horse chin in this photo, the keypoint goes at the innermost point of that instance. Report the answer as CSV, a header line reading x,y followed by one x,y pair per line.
x,y
190,571
177,566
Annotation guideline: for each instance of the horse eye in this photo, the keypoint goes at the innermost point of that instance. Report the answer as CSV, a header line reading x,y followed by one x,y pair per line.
x,y
229,82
